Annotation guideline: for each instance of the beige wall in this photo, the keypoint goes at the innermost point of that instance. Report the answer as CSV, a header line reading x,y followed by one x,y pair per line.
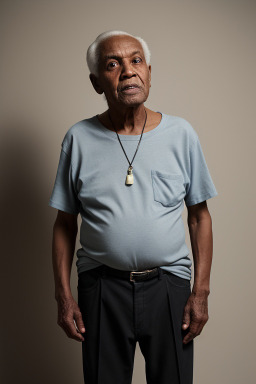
x,y
203,69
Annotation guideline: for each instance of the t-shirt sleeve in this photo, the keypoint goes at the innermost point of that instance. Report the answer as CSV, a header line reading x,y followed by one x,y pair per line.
x,y
64,196
200,186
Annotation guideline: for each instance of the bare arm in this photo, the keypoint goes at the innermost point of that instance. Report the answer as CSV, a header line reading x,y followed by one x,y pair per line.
x,y
63,246
200,230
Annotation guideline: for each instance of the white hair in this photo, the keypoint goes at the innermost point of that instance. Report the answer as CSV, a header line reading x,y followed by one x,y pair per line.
x,y
92,55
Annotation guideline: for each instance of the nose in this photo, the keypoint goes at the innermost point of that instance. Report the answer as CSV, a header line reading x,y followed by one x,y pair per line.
x,y
127,71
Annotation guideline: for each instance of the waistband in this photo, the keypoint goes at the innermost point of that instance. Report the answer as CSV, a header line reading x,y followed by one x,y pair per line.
x,y
129,275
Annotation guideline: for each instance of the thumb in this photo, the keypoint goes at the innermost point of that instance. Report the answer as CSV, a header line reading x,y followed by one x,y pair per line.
x,y
79,322
186,319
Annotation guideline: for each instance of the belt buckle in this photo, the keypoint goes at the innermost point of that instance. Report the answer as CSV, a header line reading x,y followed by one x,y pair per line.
x,y
138,273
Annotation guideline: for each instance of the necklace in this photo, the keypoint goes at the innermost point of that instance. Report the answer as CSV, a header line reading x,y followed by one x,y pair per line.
x,y
129,176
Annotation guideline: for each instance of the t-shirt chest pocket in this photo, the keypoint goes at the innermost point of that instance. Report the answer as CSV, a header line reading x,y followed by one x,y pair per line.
x,y
168,188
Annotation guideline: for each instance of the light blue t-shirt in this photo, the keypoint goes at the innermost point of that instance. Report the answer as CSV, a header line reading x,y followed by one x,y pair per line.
x,y
140,226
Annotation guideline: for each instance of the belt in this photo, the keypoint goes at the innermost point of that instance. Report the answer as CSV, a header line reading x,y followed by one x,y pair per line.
x,y
132,275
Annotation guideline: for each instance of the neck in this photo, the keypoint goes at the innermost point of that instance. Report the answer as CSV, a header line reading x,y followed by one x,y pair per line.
x,y
129,121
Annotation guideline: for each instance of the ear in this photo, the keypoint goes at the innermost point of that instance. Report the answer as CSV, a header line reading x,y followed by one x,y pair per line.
x,y
149,68
95,83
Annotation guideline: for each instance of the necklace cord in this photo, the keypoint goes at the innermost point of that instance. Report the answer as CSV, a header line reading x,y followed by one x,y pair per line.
x,y
121,142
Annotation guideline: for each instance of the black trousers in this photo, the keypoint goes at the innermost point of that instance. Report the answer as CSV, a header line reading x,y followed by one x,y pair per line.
x,y
117,313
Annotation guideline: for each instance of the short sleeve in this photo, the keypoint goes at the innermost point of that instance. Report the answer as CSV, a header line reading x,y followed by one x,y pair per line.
x,y
200,186
63,196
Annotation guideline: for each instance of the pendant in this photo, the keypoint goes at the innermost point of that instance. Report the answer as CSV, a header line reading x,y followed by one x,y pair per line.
x,y
129,176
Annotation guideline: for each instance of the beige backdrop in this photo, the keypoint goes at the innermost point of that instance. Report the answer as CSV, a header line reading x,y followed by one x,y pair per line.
x,y
203,69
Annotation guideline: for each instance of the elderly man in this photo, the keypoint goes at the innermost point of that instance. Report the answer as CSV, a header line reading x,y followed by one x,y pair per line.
x,y
127,172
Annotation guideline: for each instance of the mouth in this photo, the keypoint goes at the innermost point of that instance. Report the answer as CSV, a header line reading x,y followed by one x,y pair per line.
x,y
130,88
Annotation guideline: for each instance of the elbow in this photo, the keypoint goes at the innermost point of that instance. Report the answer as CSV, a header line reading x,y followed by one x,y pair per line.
x,y
198,213
66,220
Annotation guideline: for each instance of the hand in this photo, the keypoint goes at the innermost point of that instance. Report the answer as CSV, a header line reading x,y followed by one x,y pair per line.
x,y
68,311
195,315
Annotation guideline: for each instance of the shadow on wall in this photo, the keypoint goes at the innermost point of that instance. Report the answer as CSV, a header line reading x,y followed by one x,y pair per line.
x,y
34,348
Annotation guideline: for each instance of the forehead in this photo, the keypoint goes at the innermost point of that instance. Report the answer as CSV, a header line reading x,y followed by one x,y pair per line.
x,y
119,46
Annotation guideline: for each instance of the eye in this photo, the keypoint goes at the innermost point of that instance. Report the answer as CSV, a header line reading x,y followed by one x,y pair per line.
x,y
138,59
111,64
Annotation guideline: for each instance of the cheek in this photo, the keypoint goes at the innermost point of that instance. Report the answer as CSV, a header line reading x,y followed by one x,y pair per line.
x,y
111,90
112,87
146,79
147,84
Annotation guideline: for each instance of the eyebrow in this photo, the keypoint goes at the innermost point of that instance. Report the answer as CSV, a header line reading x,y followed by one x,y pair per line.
x,y
112,56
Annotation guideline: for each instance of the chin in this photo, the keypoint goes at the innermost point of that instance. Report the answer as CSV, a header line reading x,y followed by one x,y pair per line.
x,y
133,101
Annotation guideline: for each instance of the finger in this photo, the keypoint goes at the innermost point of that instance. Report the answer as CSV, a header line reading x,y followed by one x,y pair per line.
x,y
202,324
75,333
186,318
78,333
70,330
79,322
193,332
189,337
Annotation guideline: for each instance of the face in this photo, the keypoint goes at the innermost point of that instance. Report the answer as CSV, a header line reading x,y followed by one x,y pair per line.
x,y
122,63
